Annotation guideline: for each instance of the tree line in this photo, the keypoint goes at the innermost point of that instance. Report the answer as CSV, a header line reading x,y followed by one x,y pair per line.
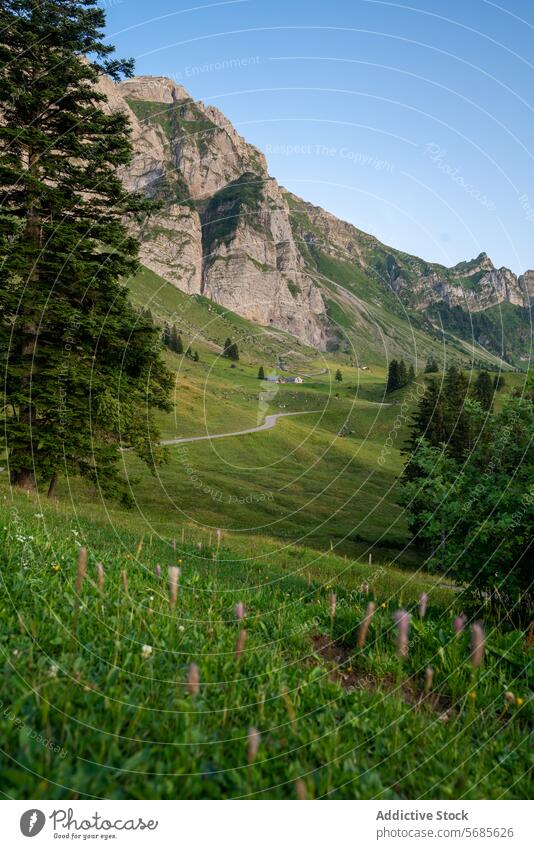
x,y
468,487
83,371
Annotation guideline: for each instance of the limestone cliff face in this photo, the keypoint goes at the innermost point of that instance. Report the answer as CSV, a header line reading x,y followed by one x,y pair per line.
x,y
224,228
227,230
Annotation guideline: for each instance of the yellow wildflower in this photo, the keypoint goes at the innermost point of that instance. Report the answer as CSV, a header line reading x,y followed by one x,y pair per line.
x,y
472,695
519,701
56,567
383,604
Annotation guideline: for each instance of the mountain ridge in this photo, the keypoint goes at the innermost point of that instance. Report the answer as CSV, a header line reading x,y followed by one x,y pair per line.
x,y
229,231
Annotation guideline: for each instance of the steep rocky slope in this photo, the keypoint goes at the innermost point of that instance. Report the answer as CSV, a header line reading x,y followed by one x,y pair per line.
x,y
228,231
223,230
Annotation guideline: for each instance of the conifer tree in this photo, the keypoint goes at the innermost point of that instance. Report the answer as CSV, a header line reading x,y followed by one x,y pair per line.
x,y
411,374
483,390
393,381
196,357
81,368
261,373
403,374
339,376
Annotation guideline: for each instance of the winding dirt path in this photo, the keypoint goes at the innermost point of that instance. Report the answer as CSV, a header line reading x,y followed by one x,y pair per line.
x,y
269,422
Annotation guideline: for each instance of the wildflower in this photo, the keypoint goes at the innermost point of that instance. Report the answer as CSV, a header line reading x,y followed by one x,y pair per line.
x,y
458,624
240,644
364,627
180,562
300,789
100,575
157,571
199,546
519,701
56,567
253,744
477,644
239,610
193,679
124,578
333,603
423,604
509,697
365,588
38,515
402,618
53,671
429,677
219,537
146,651
383,604
472,694
82,569
181,628
174,574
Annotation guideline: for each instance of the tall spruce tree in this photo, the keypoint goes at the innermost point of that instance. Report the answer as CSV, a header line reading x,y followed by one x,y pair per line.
x,y
82,369
393,381
484,390
403,374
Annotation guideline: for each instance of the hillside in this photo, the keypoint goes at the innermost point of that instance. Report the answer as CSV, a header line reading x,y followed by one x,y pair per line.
x,y
227,231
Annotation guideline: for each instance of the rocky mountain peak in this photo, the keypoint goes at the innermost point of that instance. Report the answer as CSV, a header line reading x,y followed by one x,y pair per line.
x,y
153,89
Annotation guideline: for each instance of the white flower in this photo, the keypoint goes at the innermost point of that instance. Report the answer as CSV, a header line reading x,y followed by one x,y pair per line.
x,y
53,671
39,515
146,651
181,628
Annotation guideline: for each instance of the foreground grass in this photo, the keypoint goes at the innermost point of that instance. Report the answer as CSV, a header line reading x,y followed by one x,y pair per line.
x,y
76,671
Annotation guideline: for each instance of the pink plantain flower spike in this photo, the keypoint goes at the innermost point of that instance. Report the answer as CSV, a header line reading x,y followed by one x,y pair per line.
x,y
239,610
100,575
82,569
240,644
477,644
402,618
458,624
300,789
253,744
193,679
364,627
423,604
333,604
174,574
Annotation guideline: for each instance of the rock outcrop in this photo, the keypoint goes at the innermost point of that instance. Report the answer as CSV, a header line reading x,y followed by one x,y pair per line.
x,y
227,230
224,228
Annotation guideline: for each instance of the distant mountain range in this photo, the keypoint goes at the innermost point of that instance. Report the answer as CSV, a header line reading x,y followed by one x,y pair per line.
x,y
228,231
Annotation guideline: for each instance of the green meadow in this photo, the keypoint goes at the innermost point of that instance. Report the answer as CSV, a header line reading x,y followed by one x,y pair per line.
x,y
111,690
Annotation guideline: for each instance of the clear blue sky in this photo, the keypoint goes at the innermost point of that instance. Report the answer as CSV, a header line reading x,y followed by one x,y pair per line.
x,y
414,122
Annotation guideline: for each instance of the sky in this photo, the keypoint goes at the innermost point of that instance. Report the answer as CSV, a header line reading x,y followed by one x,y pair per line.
x,y
413,121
